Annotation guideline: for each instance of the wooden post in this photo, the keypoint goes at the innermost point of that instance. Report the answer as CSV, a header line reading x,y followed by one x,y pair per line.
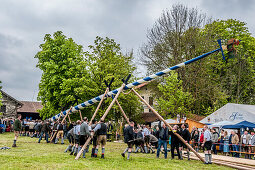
x,y
122,111
98,106
61,122
155,112
102,118
69,119
113,101
80,114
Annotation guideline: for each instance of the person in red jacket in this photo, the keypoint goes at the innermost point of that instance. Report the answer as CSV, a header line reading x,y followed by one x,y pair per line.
x,y
201,140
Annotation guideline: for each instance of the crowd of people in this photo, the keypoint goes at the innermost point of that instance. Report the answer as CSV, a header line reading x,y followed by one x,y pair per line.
x,y
229,144
6,125
139,138
144,138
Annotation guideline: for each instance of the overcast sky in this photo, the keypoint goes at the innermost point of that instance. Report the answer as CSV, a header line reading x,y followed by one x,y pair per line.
x,y
23,24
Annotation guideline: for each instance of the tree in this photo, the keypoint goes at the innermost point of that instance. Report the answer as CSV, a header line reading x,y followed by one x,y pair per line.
x,y
173,100
181,34
64,75
106,61
236,75
176,37
171,36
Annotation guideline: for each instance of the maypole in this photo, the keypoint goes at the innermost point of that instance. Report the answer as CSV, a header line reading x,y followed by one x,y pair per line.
x,y
136,83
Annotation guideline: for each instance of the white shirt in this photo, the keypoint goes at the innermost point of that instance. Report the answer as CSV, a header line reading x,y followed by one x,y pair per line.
x,y
146,132
251,139
244,139
207,135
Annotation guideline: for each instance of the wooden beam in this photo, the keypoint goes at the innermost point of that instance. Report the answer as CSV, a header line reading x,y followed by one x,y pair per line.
x,y
122,111
98,106
80,114
113,101
161,118
102,118
69,119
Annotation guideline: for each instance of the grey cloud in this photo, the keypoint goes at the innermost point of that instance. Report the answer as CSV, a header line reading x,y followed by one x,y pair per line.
x,y
24,23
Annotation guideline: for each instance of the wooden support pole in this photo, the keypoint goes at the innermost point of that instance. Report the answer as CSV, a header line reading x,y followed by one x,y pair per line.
x,y
102,118
61,123
80,114
161,118
113,101
69,119
98,106
122,111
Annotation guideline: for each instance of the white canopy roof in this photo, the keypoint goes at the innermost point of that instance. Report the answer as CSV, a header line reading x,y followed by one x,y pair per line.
x,y
167,120
233,113
220,124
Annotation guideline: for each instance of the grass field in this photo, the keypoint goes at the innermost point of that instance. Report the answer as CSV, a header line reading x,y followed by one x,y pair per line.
x,y
32,155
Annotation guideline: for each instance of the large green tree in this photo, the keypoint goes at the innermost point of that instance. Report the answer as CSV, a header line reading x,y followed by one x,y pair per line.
x,y
64,75
235,75
181,34
105,61
172,99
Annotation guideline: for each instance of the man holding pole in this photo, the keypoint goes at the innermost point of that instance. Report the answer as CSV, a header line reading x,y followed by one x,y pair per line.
x,y
129,138
77,137
60,133
175,141
101,130
186,136
84,134
94,139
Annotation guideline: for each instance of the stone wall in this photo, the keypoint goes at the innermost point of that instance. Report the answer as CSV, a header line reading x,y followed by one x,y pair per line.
x,y
11,107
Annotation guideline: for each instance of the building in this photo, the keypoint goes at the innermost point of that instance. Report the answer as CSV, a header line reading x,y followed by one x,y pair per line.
x,y
9,106
29,110
147,94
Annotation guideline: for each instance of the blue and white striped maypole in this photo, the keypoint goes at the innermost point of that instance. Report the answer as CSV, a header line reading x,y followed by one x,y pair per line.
x,y
136,83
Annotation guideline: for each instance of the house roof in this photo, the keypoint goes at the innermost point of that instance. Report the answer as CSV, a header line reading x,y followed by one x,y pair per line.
x,y
30,107
12,98
149,117
195,117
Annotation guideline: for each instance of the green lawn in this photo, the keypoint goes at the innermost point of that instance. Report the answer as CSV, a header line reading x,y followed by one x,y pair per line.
x,y
32,155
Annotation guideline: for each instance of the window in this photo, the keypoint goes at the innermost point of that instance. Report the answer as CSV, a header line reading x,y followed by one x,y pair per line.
x,y
150,110
150,101
3,109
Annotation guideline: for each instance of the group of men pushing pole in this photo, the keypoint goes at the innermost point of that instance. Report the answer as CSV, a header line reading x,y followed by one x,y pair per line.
x,y
100,128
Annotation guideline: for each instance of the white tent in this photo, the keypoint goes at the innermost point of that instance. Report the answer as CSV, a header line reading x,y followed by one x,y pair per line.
x,y
220,124
233,113
167,120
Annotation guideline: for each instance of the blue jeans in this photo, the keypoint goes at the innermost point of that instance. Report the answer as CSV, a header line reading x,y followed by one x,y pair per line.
x,y
160,143
214,149
46,135
236,148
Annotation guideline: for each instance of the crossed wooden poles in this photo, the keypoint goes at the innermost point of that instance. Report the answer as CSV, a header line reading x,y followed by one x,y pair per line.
x,y
122,111
106,112
146,103
54,133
